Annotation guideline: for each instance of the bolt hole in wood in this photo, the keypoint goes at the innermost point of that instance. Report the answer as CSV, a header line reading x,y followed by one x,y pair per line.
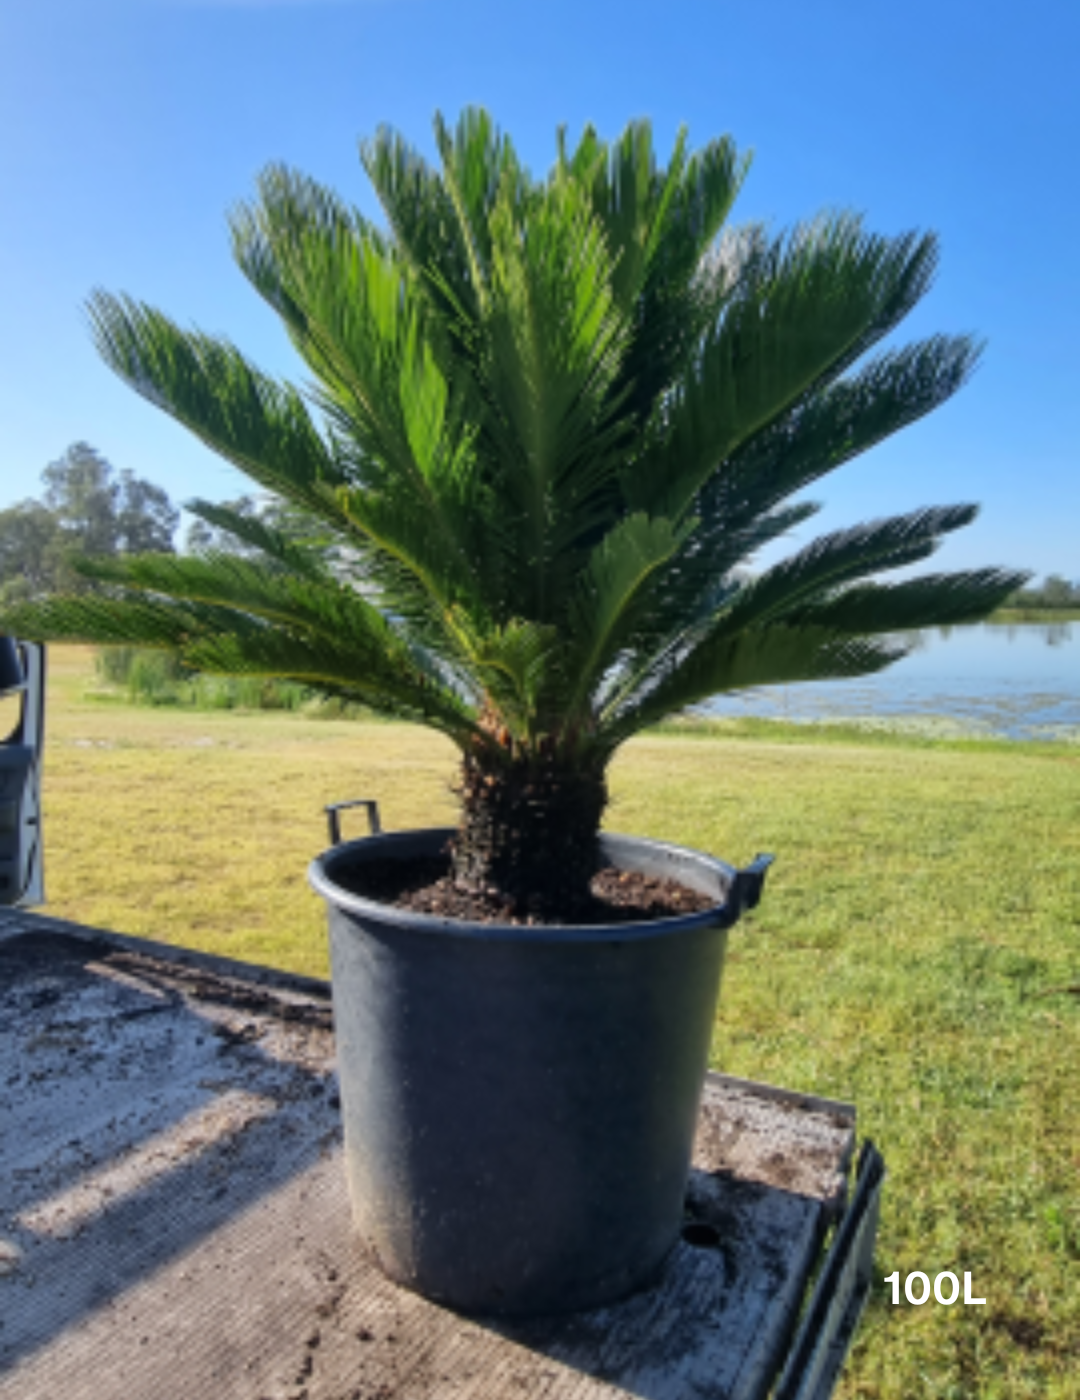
x,y
700,1236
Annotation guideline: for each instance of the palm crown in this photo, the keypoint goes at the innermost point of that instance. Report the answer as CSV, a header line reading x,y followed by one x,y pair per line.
x,y
548,419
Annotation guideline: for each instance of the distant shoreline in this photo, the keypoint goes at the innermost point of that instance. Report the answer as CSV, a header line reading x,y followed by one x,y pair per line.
x,y
1043,615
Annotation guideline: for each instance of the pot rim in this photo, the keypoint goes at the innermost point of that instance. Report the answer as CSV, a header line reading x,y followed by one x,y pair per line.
x,y
723,913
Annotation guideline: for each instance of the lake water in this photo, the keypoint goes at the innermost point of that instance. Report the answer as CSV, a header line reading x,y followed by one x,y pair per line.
x,y
1021,681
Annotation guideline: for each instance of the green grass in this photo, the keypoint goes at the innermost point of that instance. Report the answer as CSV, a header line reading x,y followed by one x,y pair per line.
x,y
915,952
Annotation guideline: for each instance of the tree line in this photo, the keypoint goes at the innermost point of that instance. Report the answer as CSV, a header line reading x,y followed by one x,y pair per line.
x,y
1055,592
89,507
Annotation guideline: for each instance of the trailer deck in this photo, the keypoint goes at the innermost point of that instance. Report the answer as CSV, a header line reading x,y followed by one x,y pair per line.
x,y
174,1221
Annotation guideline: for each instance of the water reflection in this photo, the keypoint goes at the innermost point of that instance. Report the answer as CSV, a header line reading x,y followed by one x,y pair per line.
x,y
1016,679
1054,634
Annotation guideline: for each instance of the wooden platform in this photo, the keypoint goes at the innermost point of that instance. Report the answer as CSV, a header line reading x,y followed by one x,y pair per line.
x,y
173,1219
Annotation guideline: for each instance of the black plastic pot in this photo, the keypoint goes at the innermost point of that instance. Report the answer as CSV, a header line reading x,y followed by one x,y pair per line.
x,y
519,1102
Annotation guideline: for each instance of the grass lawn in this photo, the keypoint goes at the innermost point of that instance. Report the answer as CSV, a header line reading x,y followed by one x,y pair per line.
x,y
916,952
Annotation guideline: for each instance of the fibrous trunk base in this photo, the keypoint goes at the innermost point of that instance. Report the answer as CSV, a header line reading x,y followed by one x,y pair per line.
x,y
529,832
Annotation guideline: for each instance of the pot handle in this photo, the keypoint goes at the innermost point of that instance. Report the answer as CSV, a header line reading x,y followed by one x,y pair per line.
x,y
333,809
745,892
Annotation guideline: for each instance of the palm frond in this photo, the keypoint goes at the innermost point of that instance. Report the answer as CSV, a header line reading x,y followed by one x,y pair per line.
x,y
480,170
229,581
556,339
602,611
696,614
776,655
839,558
793,325
435,233
687,592
357,316
933,600
110,621
300,558
247,649
516,666
679,299
262,427
315,608
829,426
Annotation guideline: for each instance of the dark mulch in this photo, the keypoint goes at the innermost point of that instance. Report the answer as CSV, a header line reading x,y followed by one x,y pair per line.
x,y
425,886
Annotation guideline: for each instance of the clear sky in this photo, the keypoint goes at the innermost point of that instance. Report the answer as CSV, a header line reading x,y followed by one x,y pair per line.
x,y
130,126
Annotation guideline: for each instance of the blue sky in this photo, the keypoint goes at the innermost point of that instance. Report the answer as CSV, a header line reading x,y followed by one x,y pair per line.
x,y
131,126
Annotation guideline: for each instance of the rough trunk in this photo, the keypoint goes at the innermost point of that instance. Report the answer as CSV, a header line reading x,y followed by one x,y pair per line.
x,y
529,830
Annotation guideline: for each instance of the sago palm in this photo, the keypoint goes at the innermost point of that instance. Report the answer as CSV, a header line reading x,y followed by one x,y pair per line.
x,y
548,421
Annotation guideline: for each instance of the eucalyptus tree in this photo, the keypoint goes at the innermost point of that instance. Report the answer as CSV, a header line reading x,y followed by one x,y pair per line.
x,y
88,507
549,422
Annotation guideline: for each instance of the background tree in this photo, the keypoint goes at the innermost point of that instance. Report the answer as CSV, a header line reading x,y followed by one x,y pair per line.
x,y
1055,592
101,511
31,552
88,508
552,418
1058,592
82,493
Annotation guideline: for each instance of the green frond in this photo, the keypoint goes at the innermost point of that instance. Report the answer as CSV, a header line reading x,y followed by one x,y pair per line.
x,y
404,529
347,302
360,321
737,508
934,600
229,581
659,226
829,426
262,427
629,196
269,237
793,324
839,558
425,222
228,615
515,666
913,264
307,608
702,198
302,559
556,339
687,592
233,643
395,689
109,621
811,589
776,655
479,171
614,580
657,223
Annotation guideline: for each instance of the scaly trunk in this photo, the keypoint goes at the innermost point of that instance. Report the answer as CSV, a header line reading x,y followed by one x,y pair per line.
x,y
529,829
